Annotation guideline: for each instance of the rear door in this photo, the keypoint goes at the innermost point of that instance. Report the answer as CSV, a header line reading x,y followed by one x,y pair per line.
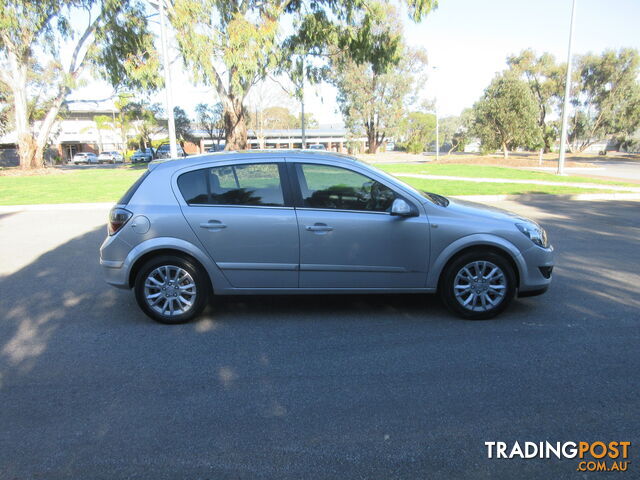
x,y
243,215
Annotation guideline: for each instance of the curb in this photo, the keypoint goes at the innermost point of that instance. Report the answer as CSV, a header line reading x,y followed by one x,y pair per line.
x,y
44,207
585,197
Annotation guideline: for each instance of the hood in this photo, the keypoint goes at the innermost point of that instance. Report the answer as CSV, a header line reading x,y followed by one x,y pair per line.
x,y
474,209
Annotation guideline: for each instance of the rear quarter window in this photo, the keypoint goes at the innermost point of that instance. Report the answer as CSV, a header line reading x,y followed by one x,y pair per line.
x,y
126,198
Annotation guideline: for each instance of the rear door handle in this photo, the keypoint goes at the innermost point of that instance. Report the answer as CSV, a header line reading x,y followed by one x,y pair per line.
x,y
318,227
213,225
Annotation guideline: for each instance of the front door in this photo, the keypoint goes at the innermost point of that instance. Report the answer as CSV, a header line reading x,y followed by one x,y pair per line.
x,y
349,239
240,215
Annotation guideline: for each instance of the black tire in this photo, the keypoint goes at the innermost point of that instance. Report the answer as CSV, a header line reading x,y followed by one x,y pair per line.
x,y
478,310
197,274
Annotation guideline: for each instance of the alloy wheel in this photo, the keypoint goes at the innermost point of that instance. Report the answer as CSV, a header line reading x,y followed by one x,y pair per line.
x,y
480,286
170,290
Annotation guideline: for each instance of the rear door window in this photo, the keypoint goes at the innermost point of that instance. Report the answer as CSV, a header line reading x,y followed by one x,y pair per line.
x,y
256,184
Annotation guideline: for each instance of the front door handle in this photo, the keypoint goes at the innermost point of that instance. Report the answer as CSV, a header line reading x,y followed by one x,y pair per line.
x,y
213,225
318,227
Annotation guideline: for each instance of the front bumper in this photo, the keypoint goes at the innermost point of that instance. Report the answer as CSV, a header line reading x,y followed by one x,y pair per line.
x,y
533,279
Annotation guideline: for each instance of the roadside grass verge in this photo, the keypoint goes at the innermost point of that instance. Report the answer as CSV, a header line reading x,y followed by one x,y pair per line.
x,y
455,187
107,185
83,186
486,171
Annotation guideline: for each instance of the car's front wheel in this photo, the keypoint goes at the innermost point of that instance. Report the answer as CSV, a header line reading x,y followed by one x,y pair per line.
x,y
477,285
171,289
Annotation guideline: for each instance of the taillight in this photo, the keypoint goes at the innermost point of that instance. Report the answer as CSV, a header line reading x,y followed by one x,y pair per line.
x,y
117,218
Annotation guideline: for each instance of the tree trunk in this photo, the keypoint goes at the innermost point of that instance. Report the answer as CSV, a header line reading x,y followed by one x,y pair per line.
x,y
235,124
26,141
373,142
505,151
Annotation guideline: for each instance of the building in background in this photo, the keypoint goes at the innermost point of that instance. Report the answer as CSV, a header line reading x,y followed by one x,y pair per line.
x,y
78,132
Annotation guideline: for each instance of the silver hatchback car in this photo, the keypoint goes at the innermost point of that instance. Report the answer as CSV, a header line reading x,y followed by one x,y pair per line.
x,y
300,222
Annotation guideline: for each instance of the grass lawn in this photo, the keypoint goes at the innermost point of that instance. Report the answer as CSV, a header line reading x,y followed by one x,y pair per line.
x,y
487,171
453,187
108,185
81,186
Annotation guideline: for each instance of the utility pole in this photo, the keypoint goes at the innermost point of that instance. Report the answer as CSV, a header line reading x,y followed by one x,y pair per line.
x,y
437,133
302,120
437,119
567,93
167,81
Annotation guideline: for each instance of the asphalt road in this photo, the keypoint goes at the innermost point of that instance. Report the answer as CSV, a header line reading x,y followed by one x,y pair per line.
x,y
622,169
337,387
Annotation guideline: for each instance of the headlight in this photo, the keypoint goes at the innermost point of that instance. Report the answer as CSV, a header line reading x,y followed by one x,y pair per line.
x,y
535,233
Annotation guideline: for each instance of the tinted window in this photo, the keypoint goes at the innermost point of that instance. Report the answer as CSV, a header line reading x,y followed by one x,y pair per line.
x,y
253,184
323,186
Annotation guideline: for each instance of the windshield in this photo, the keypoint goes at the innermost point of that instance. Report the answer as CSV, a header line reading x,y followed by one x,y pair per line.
x,y
432,197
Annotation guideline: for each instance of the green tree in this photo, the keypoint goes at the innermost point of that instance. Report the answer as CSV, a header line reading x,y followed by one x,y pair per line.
x,y
210,119
417,130
309,121
102,122
233,44
463,131
146,119
5,100
373,97
448,127
506,116
278,118
546,80
114,42
606,98
183,126
127,111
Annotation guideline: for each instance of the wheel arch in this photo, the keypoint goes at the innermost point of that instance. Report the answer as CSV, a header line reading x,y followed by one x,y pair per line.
x,y
483,243
137,265
180,248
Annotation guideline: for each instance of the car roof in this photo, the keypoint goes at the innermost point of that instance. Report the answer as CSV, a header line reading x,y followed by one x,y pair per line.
x,y
246,154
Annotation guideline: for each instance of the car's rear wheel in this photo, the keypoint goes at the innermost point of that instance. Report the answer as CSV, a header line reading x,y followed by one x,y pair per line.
x,y
477,285
171,289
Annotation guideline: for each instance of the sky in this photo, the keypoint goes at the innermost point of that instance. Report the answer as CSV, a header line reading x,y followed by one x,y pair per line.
x,y
467,41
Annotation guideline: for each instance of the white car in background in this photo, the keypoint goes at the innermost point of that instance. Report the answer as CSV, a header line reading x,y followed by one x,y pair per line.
x,y
84,157
110,157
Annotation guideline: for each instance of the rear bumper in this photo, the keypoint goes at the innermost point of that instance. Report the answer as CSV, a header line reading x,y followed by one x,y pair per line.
x,y
114,270
114,274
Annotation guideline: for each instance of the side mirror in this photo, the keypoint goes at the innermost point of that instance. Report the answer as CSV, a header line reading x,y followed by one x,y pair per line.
x,y
401,208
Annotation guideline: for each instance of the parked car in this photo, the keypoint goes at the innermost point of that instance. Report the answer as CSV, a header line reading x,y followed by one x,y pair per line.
x,y
215,148
142,155
84,157
164,151
311,222
110,157
318,146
